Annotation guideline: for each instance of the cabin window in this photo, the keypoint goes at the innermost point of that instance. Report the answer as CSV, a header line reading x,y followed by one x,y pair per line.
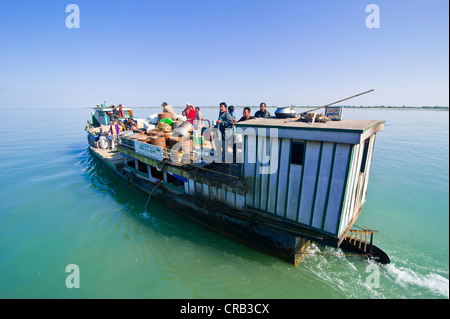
x,y
155,173
297,153
142,167
364,156
175,180
130,162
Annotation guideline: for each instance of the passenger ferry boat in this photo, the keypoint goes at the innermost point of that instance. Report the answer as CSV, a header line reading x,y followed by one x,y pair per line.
x,y
290,181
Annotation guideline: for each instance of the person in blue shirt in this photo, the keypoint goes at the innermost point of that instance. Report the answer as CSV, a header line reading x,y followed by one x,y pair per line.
x,y
225,120
231,112
224,124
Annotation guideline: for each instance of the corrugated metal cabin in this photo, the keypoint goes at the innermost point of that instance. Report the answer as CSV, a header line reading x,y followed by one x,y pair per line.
x,y
315,175
318,173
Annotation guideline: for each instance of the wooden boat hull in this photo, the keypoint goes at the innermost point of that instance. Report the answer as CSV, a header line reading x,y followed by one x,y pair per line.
x,y
220,219
376,254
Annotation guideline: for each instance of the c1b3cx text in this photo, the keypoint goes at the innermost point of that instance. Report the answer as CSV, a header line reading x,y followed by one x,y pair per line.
x,y
246,308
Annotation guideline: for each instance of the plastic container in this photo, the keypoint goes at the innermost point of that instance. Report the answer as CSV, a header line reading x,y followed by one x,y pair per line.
x,y
164,115
334,113
168,121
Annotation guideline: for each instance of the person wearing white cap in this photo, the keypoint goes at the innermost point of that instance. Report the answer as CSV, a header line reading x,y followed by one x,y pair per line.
x,y
186,109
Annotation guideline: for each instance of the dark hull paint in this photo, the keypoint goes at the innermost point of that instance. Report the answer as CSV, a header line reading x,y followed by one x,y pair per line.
x,y
221,219
259,230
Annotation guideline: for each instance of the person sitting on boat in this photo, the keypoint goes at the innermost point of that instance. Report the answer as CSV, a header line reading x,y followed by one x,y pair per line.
x,y
262,111
183,116
121,126
169,109
128,123
246,115
115,114
121,112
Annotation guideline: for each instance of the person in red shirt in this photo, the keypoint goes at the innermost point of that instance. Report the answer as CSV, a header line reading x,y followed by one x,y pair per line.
x,y
186,109
191,114
121,112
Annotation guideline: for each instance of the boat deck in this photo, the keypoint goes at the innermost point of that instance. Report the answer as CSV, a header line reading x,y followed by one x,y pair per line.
x,y
112,157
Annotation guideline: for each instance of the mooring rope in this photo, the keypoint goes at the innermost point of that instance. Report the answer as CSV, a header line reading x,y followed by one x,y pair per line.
x,y
149,195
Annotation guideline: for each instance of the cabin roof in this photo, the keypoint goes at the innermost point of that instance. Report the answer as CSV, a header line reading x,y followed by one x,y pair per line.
x,y
343,125
109,109
344,131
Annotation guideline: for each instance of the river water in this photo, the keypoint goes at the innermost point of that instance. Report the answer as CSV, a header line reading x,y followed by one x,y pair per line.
x,y
60,206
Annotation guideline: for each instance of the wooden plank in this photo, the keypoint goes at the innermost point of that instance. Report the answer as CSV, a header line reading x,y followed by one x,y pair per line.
x,y
322,184
368,164
337,188
221,195
206,190
240,201
283,177
113,157
352,209
257,175
231,198
273,178
295,174
213,193
191,187
249,168
309,182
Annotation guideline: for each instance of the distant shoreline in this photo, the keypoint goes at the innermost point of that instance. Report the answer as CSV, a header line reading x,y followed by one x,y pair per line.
x,y
430,108
442,108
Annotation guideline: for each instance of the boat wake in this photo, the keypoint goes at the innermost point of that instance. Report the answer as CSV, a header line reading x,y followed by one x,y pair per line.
x,y
409,279
351,277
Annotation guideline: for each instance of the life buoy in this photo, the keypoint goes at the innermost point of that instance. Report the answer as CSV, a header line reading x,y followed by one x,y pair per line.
x,y
159,166
103,143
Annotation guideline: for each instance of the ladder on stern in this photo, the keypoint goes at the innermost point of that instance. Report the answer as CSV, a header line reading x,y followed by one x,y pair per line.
x,y
361,241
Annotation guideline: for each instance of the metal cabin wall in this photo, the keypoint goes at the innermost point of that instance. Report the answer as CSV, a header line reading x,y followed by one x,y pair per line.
x,y
102,118
357,183
324,193
214,194
311,194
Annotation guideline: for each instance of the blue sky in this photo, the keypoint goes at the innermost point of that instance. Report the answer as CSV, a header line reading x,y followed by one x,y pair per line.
x,y
141,53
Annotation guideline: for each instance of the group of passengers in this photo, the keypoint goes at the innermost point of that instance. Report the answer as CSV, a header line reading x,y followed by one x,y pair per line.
x,y
225,123
225,120
118,125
